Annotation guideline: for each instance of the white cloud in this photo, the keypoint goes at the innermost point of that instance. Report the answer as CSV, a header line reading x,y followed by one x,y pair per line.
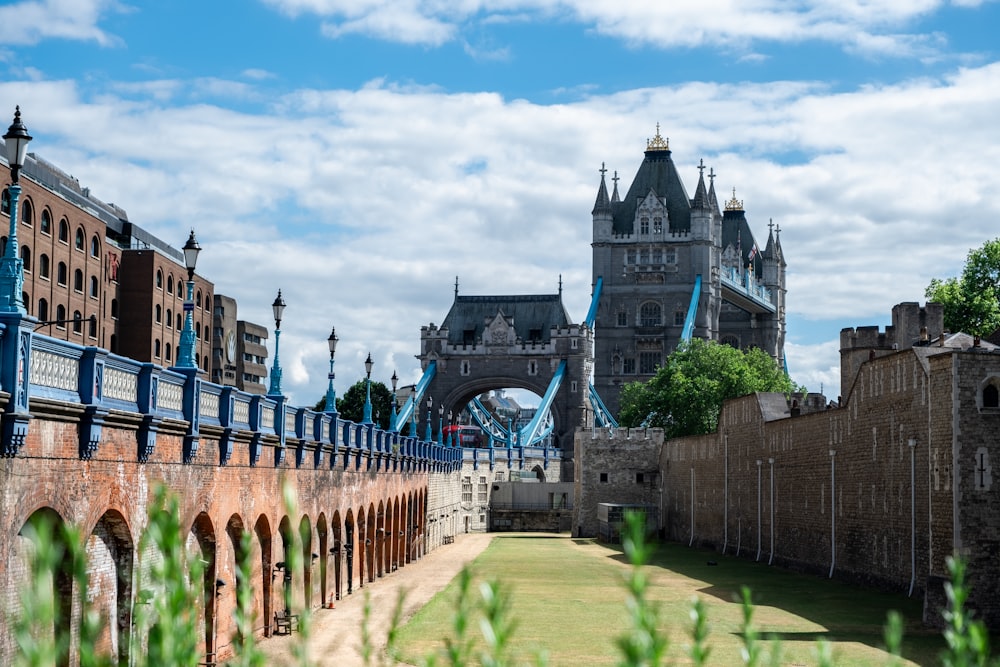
x,y
363,205
31,21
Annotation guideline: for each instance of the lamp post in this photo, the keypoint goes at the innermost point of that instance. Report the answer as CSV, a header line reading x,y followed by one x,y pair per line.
x,y
451,431
441,424
367,419
413,411
430,404
331,395
278,308
349,553
392,414
187,357
11,267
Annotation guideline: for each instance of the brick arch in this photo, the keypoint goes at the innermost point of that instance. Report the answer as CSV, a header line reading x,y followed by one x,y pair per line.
x,y
44,521
322,551
371,535
337,552
201,544
236,552
282,564
110,554
306,544
262,598
360,530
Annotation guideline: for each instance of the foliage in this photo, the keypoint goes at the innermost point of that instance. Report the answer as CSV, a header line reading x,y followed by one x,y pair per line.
x,y
687,392
351,404
972,301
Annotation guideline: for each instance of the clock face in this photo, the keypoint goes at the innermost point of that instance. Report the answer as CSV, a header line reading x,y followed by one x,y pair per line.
x,y
231,347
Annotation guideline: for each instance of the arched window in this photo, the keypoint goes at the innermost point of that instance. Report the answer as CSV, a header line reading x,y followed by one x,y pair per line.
x,y
197,300
92,326
170,318
26,258
43,266
79,239
731,341
77,322
61,316
156,348
5,202
168,357
158,314
27,213
26,300
43,309
179,325
93,287
204,363
64,230
46,226
197,330
3,245
78,280
180,288
159,279
991,396
61,274
170,284
208,301
649,315
95,246
114,309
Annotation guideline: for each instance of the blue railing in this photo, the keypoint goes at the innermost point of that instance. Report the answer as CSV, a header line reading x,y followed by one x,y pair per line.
x,y
745,283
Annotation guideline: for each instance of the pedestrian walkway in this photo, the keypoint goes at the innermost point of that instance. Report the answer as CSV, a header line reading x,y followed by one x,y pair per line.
x,y
335,634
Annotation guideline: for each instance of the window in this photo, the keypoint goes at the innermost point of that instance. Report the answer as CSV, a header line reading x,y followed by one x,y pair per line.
x,y
657,225
43,309
43,266
5,203
159,279
27,213
168,357
466,489
179,325
679,318
649,315
198,299
208,301
604,478
158,314
648,362
26,258
638,478
643,225
197,329
92,326
622,320
61,273
46,226
482,491
170,284
628,366
180,289
61,316
79,239
93,287
114,309
64,231
991,396
77,322
170,318
156,348
95,246
78,280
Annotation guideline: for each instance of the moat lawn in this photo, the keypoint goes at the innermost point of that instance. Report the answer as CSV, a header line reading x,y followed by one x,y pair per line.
x,y
568,600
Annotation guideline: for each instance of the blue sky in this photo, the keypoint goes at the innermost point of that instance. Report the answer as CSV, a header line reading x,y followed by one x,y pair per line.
x,y
361,154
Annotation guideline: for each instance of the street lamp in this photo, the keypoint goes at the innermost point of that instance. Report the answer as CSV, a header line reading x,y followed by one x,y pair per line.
x,y
441,424
187,358
413,411
11,267
450,431
278,308
331,395
392,414
430,404
368,390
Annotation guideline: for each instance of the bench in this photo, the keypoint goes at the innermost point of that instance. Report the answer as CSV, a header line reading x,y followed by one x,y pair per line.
x,y
285,622
448,539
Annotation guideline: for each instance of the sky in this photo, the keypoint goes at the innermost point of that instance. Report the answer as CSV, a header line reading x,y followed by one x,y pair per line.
x,y
362,154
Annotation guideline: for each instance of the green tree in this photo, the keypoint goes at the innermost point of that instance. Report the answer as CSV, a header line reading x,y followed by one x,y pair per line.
x,y
686,394
351,404
972,302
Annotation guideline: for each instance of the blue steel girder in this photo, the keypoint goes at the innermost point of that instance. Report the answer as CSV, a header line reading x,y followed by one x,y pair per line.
x,y
592,313
406,412
688,329
602,415
532,432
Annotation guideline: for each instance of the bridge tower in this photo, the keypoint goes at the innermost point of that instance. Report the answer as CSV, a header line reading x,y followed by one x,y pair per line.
x,y
657,252
496,342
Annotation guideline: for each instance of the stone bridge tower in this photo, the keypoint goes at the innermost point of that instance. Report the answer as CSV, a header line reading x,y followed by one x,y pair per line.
x,y
496,342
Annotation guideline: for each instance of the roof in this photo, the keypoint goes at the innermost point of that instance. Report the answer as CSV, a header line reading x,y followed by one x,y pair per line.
x,y
530,313
659,174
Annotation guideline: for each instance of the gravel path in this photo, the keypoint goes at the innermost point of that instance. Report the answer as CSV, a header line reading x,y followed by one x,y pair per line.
x,y
335,634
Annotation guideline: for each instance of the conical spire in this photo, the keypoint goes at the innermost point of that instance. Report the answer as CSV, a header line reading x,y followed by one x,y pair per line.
x,y
614,195
701,199
603,204
770,248
713,201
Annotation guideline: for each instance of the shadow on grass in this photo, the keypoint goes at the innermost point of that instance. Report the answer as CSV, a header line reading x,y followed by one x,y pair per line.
x,y
847,612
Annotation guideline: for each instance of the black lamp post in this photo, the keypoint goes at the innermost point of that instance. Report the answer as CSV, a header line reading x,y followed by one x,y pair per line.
x,y
392,413
367,419
441,424
278,309
413,411
187,358
331,394
11,267
430,434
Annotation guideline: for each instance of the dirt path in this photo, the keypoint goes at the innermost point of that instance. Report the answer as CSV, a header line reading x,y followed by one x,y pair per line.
x,y
335,634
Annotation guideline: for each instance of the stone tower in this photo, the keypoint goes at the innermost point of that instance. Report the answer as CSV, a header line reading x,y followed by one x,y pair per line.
x,y
656,253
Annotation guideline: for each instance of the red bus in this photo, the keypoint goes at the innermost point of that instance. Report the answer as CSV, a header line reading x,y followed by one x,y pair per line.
x,y
463,435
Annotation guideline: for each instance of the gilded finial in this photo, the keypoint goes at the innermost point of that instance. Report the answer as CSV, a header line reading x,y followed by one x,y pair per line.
x,y
734,204
658,143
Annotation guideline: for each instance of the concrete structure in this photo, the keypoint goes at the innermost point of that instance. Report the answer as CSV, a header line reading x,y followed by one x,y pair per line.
x,y
656,251
239,352
880,490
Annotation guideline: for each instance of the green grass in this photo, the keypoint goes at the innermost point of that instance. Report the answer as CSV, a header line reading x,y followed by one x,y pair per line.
x,y
569,602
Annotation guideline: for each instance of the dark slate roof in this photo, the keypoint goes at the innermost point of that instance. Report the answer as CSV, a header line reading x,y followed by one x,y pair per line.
x,y
736,228
530,312
603,204
657,173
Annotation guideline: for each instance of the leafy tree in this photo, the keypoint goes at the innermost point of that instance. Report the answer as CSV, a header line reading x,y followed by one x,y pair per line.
x,y
972,301
686,394
351,404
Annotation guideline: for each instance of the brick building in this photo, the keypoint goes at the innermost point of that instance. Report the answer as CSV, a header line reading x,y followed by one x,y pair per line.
x,y
239,355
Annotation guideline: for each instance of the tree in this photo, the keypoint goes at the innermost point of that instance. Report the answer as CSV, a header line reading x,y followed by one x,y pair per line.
x,y
972,302
351,404
686,394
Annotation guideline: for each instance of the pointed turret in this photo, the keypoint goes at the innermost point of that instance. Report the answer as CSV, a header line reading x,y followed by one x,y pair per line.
x,y
603,203
712,199
701,199
614,195
603,214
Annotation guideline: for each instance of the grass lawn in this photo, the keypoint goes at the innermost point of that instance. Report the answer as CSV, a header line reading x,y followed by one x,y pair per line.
x,y
568,600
